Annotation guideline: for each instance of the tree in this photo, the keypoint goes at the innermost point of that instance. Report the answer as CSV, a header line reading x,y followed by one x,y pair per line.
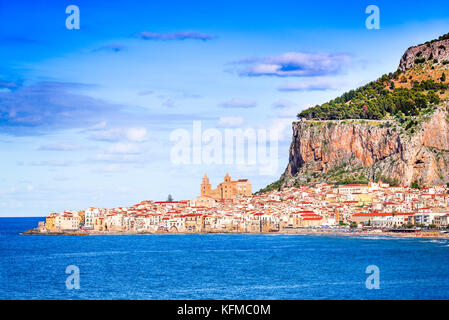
x,y
170,198
392,86
443,77
415,185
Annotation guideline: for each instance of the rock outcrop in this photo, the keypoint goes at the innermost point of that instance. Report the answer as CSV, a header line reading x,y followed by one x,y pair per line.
x,y
437,50
332,151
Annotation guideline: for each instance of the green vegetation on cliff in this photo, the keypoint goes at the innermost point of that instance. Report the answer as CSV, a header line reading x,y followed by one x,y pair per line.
x,y
376,100
338,176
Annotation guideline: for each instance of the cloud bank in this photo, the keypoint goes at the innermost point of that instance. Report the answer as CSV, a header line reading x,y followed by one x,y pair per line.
x,y
193,35
294,64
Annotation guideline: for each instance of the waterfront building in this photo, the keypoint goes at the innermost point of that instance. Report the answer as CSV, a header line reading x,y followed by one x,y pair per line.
x,y
50,222
69,221
383,219
89,215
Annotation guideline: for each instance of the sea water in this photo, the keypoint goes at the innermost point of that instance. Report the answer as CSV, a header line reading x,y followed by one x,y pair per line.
x,y
218,266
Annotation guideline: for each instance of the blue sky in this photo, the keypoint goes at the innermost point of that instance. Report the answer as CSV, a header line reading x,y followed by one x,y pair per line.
x,y
86,115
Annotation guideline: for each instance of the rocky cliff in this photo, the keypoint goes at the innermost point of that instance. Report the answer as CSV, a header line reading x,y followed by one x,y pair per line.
x,y
347,151
437,52
409,145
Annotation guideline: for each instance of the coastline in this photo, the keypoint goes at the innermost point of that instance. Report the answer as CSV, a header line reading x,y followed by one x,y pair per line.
x,y
417,235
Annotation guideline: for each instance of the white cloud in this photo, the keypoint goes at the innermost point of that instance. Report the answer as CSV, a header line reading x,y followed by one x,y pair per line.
x,y
312,84
124,148
117,134
59,146
239,103
230,122
107,135
112,167
116,158
295,64
180,35
99,125
136,134
51,163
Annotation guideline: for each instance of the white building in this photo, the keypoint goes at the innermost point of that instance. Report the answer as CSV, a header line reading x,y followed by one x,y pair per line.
x,y
69,221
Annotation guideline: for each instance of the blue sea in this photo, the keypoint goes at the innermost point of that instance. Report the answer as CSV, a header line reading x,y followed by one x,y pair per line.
x,y
218,266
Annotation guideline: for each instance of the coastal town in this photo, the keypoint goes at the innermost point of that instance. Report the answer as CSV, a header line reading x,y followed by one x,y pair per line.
x,y
375,207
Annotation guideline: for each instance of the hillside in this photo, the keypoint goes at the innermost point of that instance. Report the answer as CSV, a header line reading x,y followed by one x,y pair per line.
x,y
421,80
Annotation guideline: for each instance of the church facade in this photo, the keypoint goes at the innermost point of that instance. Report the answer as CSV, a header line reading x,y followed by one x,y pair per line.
x,y
226,190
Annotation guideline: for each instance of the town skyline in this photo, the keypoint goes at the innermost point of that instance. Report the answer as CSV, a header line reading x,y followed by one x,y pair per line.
x,y
230,208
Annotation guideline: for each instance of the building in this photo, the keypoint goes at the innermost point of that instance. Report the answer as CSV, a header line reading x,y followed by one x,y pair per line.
x,y
383,219
69,221
353,188
99,223
50,221
203,201
226,190
440,221
361,188
193,222
89,215
437,219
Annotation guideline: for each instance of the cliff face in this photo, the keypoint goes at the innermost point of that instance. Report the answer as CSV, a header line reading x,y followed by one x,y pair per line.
x,y
332,151
438,50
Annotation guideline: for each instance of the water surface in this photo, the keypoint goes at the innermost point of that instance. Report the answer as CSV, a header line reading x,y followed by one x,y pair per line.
x,y
218,266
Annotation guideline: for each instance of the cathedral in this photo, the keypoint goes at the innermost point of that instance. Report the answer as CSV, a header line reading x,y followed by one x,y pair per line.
x,y
226,190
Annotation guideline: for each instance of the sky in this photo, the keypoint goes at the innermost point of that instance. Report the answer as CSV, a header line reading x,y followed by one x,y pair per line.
x,y
96,116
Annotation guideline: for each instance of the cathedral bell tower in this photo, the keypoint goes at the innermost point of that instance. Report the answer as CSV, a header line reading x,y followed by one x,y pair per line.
x,y
205,186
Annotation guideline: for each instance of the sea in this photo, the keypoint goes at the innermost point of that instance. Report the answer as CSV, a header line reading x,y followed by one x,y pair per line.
x,y
219,266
